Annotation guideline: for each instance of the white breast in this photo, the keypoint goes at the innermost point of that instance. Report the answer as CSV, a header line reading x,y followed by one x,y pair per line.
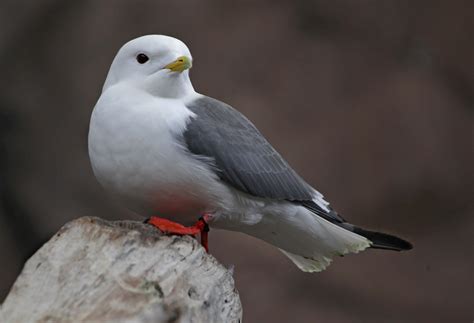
x,y
136,156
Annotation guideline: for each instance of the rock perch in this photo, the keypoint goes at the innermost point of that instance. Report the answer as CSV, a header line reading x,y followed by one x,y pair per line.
x,y
94,270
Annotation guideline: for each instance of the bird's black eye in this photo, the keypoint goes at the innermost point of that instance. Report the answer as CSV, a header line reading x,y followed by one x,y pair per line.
x,y
142,58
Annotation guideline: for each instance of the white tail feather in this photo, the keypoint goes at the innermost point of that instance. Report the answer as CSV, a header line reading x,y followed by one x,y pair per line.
x,y
307,264
343,242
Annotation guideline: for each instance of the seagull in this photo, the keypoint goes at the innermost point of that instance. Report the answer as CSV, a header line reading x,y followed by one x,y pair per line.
x,y
188,162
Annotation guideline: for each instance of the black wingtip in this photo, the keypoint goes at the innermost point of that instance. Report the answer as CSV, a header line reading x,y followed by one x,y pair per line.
x,y
384,241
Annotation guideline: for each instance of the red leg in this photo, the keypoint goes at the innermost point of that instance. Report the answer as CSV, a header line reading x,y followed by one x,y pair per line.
x,y
170,227
167,226
205,235
205,231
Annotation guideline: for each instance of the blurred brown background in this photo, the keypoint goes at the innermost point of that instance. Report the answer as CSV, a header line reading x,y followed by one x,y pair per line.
x,y
371,101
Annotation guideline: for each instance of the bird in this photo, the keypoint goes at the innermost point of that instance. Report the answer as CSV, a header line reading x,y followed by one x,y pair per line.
x,y
188,162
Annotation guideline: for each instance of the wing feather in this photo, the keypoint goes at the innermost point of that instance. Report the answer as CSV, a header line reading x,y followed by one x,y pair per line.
x,y
244,158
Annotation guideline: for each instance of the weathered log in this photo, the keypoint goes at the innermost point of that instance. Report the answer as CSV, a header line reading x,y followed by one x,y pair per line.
x,y
94,270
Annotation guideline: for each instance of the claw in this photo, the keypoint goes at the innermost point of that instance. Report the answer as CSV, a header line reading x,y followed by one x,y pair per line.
x,y
170,227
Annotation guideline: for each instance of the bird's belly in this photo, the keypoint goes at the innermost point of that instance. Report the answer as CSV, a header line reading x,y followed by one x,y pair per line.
x,y
154,186
146,168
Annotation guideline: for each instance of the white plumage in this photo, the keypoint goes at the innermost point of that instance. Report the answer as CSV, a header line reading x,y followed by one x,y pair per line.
x,y
137,157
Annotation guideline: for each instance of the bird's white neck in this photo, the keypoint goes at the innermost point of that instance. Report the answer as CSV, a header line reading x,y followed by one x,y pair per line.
x,y
169,85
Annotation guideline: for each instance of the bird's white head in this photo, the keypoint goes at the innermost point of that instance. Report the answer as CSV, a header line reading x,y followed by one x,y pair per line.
x,y
157,64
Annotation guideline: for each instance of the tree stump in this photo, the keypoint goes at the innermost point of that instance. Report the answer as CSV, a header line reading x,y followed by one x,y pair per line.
x,y
94,270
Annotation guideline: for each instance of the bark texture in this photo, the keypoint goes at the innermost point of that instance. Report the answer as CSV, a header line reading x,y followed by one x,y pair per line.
x,y
94,270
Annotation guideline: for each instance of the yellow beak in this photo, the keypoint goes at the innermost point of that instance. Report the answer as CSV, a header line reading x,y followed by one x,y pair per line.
x,y
180,64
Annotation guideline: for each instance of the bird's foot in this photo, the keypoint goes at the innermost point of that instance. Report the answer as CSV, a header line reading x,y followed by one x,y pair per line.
x,y
170,227
205,232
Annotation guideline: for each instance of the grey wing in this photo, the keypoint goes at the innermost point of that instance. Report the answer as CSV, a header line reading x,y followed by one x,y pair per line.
x,y
244,158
